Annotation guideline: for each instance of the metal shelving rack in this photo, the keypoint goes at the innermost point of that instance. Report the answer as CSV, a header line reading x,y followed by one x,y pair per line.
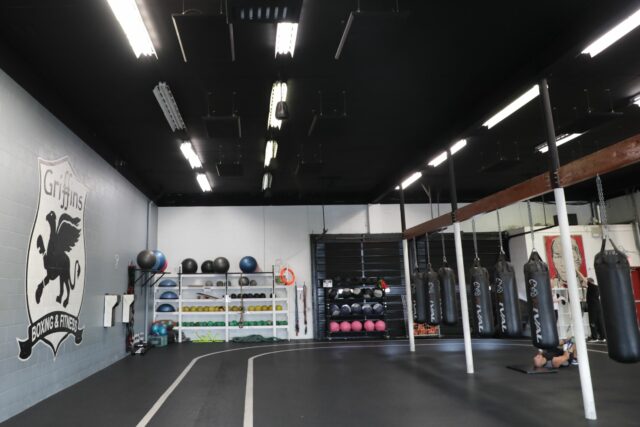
x,y
187,294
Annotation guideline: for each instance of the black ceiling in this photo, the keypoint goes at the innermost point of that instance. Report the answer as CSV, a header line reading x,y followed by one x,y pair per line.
x,y
412,83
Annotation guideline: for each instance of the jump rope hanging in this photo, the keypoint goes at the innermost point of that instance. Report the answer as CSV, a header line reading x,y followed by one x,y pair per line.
x,y
480,292
616,295
448,286
506,289
542,318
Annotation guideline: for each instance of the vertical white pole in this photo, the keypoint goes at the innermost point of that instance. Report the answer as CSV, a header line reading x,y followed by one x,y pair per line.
x,y
408,299
576,312
466,329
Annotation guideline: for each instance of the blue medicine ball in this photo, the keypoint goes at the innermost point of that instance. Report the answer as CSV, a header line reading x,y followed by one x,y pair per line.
x,y
248,264
167,283
160,260
165,308
169,295
155,329
162,330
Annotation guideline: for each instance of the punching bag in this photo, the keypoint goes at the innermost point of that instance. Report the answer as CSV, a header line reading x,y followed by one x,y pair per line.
x,y
434,307
448,291
481,299
421,297
618,306
504,283
542,318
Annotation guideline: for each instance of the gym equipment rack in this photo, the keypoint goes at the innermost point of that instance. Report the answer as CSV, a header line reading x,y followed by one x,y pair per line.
x,y
352,335
190,285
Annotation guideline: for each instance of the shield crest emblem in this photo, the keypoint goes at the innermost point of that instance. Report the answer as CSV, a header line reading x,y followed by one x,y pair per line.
x,y
56,259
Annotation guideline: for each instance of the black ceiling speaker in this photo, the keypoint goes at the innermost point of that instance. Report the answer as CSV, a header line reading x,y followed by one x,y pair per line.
x,y
282,110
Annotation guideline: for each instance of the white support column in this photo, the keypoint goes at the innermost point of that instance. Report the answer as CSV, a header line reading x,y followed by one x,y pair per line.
x,y
466,329
408,299
588,400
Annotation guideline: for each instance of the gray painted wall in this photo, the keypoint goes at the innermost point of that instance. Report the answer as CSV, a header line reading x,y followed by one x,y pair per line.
x,y
115,226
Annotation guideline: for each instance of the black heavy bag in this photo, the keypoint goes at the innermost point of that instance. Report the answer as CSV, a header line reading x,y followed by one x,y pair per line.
x,y
448,291
509,320
434,307
542,318
618,307
421,297
481,299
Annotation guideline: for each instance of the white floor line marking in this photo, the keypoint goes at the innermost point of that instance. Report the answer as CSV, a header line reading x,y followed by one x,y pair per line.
x,y
385,343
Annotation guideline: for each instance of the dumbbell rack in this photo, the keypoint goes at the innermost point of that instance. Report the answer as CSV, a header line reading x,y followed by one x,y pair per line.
x,y
188,287
361,317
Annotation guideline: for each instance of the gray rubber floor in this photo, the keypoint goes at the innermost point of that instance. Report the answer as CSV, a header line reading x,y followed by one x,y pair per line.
x,y
343,384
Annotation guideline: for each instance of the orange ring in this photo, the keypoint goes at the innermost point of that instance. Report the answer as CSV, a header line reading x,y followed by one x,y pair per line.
x,y
283,276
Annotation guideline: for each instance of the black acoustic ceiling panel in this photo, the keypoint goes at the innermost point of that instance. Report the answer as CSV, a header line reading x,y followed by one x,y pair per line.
x,y
500,163
323,124
230,169
589,120
223,126
307,168
264,11
204,38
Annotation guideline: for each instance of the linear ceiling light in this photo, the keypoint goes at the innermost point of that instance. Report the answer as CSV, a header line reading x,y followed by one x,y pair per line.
x,y
189,153
442,157
267,179
128,15
523,100
168,105
286,35
636,100
562,139
270,152
613,35
204,182
278,93
407,182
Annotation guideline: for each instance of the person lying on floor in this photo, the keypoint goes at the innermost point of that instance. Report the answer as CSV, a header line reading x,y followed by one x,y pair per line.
x,y
562,356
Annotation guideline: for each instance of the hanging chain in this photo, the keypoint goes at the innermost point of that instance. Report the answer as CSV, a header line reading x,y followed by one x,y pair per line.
x,y
415,254
603,209
426,243
499,232
533,243
444,256
475,240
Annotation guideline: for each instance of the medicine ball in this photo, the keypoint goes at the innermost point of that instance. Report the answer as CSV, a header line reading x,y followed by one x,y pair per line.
x,y
380,326
346,293
369,326
169,295
356,292
207,267
345,310
220,265
146,259
332,293
356,308
263,295
219,283
366,293
378,293
378,308
248,264
234,296
334,310
243,281
161,261
165,308
189,266
253,283
356,326
167,283
334,326
367,310
345,326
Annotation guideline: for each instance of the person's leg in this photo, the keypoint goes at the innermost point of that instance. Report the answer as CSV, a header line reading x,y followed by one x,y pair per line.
x,y
602,335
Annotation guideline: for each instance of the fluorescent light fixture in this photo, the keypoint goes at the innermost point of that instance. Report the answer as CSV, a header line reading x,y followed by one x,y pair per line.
x,y
128,15
168,105
636,100
286,35
267,179
413,178
438,160
270,152
189,153
562,139
523,100
278,93
613,35
204,182
458,146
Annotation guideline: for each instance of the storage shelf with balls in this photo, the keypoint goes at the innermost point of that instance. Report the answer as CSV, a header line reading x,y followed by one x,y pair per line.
x,y
355,312
199,299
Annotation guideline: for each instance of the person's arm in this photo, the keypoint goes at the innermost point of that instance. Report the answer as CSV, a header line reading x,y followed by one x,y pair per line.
x,y
558,361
